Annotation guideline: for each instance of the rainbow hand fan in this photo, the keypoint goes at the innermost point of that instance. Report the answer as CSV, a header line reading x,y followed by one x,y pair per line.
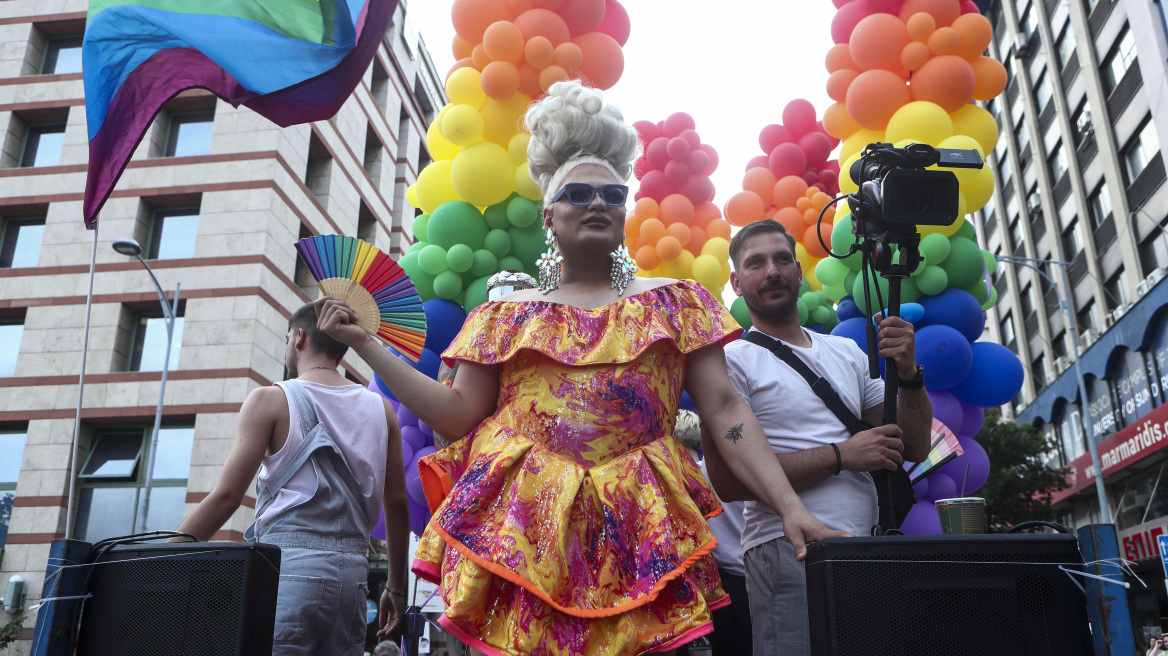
x,y
384,297
943,448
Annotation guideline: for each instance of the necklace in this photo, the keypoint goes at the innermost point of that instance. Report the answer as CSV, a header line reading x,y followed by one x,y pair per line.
x,y
311,368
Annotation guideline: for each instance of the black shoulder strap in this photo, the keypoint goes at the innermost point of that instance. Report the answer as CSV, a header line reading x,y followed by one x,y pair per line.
x,y
819,384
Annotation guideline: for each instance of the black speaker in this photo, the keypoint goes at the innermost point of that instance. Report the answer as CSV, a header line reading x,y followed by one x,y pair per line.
x,y
954,594
185,599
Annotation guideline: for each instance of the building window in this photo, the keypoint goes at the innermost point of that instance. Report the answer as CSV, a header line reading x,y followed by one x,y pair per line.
x,y
20,241
113,479
1082,123
1038,371
1121,57
1026,301
1140,150
1029,22
1100,205
1154,252
172,233
1021,133
1042,91
1086,316
11,453
1072,241
992,107
62,55
11,330
42,144
149,340
189,133
1117,291
1016,236
1057,162
1065,44
1008,330
1005,169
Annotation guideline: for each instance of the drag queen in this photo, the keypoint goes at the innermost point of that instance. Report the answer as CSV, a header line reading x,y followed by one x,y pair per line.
x,y
569,521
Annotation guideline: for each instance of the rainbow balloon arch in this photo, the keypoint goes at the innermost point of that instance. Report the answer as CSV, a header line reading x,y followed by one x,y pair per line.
x,y
901,71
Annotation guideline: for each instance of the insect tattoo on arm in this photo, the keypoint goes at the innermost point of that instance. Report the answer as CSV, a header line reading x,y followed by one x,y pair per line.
x,y
735,433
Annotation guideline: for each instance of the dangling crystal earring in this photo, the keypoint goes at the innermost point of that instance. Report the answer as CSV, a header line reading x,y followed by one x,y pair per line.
x,y
624,268
550,265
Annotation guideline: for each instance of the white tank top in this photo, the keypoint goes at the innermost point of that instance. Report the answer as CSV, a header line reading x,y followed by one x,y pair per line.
x,y
355,418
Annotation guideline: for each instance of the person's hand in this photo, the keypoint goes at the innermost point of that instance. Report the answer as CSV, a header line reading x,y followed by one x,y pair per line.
x,y
898,343
339,321
390,612
802,527
876,448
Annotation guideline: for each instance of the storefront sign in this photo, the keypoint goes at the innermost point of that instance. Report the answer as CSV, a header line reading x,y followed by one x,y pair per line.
x,y
1142,541
1144,437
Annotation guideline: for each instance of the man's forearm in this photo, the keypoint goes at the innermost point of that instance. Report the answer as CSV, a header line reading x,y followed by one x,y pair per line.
x,y
397,530
209,516
914,415
808,467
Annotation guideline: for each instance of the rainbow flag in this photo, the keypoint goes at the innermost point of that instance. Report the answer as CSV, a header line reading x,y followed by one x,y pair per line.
x,y
292,61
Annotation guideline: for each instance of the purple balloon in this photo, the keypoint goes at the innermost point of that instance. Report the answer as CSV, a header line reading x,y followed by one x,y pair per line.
x,y
922,519
414,487
378,530
419,517
376,389
921,487
407,453
406,418
413,437
947,409
422,453
974,418
425,428
979,465
940,487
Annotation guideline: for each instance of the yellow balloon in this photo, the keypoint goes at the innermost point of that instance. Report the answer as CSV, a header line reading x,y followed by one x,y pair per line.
x,y
809,275
718,247
803,257
434,185
948,230
502,118
978,191
463,125
483,174
464,87
681,268
525,185
963,142
723,277
922,121
846,184
517,147
706,269
412,195
440,147
856,142
978,123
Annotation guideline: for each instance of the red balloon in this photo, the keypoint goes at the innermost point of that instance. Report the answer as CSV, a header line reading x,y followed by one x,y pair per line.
x,y
810,177
713,155
788,159
969,7
799,117
757,161
692,137
773,135
676,171
698,188
655,185
648,131
698,161
582,15
657,153
678,148
677,123
616,22
816,146
849,15
828,177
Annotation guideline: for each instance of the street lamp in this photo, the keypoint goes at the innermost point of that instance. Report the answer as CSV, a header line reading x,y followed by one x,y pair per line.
x,y
131,248
1065,304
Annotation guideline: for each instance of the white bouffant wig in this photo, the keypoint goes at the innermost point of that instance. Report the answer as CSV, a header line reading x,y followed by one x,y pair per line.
x,y
572,126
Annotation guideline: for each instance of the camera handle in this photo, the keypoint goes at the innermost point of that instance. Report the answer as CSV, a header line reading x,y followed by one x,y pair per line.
x,y
908,247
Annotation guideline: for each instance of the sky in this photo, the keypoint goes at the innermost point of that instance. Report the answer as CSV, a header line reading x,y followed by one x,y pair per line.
x,y
732,65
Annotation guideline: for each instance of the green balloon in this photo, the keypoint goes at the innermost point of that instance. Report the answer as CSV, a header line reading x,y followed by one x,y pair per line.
x,y
832,319
990,262
835,293
821,295
966,231
476,294
909,292
498,242
850,281
831,271
821,315
810,300
510,263
804,287
740,313
804,313
977,290
485,263
934,248
842,239
992,300
419,227
964,264
457,222
432,259
522,212
527,244
858,293
447,285
417,246
496,216
933,280
459,258
423,281
409,262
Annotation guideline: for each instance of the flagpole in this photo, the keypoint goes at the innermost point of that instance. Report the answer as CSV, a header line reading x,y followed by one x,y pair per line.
x,y
73,460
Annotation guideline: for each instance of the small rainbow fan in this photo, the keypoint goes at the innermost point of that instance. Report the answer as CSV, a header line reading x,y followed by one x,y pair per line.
x,y
944,447
384,297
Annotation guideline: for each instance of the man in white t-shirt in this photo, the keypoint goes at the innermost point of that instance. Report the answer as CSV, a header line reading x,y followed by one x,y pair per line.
x,y
827,466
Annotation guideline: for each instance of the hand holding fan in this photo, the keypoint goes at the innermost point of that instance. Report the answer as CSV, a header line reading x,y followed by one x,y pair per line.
x,y
384,297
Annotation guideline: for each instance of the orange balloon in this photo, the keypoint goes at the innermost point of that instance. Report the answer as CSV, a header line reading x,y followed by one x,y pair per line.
x,y
803,204
543,22
480,57
811,240
718,228
877,41
697,239
500,80
568,56
976,33
539,51
503,42
947,80
604,61
761,181
647,258
944,41
838,82
472,17
789,190
647,208
874,96
838,122
920,26
529,81
819,199
633,225
839,57
652,230
676,208
792,220
461,48
706,213
551,75
668,248
680,232
942,11
770,212
811,215
914,55
990,78
744,207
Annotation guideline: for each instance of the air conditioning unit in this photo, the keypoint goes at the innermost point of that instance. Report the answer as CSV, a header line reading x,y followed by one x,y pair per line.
x,y
1087,338
1115,315
1021,45
1061,363
1083,124
1051,377
1149,282
1034,202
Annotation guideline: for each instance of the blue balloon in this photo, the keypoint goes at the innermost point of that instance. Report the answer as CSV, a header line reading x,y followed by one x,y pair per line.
x,y
687,403
429,363
817,328
383,388
994,379
853,329
957,309
945,354
847,309
443,321
910,312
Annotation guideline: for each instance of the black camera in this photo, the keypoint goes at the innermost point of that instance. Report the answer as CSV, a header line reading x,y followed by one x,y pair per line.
x,y
898,193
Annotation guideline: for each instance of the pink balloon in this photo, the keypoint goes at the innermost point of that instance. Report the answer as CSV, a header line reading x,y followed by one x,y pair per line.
x,y
676,171
788,159
969,7
849,16
678,148
758,160
616,22
810,177
655,185
713,154
648,130
817,148
692,137
678,123
773,135
828,178
698,188
657,153
698,161
641,166
799,117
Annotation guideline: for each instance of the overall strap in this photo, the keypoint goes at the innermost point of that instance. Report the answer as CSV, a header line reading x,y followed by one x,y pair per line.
x,y
308,421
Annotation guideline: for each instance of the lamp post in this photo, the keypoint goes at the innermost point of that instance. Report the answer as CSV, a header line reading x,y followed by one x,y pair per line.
x,y
131,248
1065,304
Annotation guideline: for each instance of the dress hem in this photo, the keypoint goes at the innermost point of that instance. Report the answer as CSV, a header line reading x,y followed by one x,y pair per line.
x,y
464,637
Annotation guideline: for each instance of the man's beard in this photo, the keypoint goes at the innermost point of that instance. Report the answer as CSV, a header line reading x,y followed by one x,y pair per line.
x,y
780,309
290,366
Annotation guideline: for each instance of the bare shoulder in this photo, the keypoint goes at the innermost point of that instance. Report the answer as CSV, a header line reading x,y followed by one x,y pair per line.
x,y
266,400
641,285
390,416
